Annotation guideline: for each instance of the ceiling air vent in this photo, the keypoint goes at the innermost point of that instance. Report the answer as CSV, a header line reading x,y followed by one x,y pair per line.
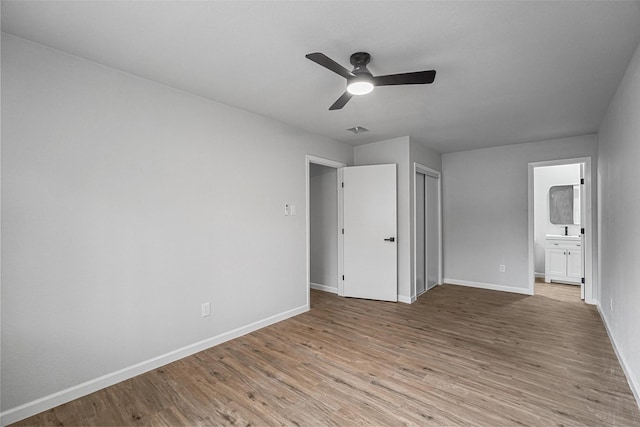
x,y
358,129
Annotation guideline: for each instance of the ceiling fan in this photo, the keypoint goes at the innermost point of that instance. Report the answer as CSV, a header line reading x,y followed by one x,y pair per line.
x,y
360,81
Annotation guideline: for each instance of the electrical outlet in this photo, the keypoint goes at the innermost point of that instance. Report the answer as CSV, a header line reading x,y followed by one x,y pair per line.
x,y
206,309
502,268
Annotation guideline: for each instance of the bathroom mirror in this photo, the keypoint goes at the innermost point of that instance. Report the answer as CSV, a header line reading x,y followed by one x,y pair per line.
x,y
564,204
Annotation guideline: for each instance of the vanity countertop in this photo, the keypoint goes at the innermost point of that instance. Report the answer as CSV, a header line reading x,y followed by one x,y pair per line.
x,y
562,237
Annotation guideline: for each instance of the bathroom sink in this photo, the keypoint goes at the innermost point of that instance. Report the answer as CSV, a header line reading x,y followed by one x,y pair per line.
x,y
562,237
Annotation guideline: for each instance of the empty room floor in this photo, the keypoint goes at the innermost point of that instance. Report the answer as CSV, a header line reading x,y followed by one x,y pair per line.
x,y
457,356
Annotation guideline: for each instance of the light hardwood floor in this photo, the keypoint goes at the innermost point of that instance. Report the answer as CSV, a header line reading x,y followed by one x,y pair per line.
x,y
458,356
561,292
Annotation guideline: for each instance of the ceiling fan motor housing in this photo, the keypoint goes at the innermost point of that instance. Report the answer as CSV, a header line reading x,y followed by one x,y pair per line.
x,y
359,60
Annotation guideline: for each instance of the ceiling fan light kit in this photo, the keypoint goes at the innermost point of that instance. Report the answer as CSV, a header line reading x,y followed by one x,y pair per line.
x,y
360,81
360,86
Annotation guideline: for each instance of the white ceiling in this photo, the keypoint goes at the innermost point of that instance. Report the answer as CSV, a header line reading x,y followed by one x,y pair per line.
x,y
507,72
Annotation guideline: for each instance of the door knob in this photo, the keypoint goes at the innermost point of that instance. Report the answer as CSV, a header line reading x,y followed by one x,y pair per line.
x,y
390,239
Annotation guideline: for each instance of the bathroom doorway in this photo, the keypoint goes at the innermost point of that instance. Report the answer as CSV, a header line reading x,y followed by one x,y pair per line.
x,y
560,232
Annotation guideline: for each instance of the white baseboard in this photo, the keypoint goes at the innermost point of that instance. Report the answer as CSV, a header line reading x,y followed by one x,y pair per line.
x,y
539,275
406,299
334,290
489,286
635,388
325,288
414,298
39,405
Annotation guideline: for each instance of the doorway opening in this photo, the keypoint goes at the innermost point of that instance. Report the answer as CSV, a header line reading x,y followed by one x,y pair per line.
x,y
324,220
351,219
560,229
427,229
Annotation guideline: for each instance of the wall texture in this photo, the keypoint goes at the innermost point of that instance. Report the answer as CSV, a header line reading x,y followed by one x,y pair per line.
x,y
618,159
485,202
125,206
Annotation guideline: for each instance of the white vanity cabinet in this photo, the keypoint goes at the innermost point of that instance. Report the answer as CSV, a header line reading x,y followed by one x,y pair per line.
x,y
563,259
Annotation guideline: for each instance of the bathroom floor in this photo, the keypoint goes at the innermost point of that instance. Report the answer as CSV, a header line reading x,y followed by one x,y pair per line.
x,y
557,291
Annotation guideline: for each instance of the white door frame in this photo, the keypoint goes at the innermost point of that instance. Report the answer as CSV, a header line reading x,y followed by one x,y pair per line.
x,y
309,159
420,168
589,286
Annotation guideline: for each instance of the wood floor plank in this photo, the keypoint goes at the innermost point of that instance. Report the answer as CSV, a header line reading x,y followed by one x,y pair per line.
x,y
457,356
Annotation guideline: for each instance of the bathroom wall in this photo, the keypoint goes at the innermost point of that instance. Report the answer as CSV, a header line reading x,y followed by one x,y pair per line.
x,y
544,178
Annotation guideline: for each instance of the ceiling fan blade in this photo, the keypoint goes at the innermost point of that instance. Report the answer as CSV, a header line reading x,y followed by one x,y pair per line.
x,y
415,78
341,101
326,62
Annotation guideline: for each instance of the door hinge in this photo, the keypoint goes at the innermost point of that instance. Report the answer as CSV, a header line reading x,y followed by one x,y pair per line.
x,y
582,231
343,277
343,185
583,280
343,231
582,181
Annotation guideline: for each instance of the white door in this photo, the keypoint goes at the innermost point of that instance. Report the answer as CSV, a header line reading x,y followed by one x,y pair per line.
x,y
370,232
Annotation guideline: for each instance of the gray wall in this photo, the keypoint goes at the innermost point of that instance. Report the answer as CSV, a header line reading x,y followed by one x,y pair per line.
x,y
426,156
323,226
619,160
125,206
485,202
